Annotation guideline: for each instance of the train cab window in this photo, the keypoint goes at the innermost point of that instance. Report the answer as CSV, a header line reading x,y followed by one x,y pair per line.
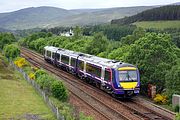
x,y
81,65
53,55
94,70
65,59
128,75
107,76
73,62
48,53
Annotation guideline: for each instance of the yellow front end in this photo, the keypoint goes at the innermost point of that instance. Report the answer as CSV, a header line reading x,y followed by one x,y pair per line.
x,y
128,84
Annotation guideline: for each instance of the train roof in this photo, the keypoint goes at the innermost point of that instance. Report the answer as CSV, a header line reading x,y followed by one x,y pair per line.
x,y
89,58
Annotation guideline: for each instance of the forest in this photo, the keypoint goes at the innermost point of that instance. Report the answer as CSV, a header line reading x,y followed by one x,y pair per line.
x,y
171,12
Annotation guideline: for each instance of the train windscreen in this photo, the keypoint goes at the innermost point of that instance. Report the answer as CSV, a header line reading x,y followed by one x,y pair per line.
x,y
127,76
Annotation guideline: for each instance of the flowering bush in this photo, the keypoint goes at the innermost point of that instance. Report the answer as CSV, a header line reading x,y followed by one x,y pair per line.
x,y
21,62
34,69
32,76
161,99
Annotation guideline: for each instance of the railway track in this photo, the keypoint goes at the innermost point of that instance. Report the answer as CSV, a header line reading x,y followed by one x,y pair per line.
x,y
104,104
102,109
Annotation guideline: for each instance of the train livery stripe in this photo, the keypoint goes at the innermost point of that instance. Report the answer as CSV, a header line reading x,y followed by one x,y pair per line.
x,y
128,85
127,68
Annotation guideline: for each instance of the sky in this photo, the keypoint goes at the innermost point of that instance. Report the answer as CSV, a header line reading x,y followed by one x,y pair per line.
x,y
12,5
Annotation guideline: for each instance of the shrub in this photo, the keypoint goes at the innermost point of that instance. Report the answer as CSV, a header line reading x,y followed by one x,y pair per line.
x,y
39,73
83,117
172,81
6,38
59,91
11,51
176,108
177,117
45,81
161,99
20,62
67,113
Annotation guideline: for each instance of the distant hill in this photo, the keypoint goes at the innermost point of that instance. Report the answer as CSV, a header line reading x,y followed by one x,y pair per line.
x,y
178,3
4,30
52,16
171,12
31,17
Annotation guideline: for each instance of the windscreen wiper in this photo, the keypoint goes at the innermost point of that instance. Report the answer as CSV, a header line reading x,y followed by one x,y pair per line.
x,y
130,78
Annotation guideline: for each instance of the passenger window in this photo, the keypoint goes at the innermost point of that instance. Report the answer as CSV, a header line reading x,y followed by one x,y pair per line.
x,y
65,59
81,65
58,56
53,55
73,62
94,70
107,76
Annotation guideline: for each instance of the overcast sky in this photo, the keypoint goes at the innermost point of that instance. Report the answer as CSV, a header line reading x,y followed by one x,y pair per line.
x,y
12,5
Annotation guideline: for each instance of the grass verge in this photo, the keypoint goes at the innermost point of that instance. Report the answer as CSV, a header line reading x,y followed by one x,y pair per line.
x,y
18,99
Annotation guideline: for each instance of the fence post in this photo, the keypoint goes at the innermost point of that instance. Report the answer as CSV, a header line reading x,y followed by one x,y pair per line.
x,y
57,113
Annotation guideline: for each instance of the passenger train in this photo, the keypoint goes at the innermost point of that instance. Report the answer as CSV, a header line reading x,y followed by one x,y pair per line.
x,y
117,78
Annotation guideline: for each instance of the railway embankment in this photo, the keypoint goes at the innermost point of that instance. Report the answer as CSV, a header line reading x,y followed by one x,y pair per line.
x,y
18,99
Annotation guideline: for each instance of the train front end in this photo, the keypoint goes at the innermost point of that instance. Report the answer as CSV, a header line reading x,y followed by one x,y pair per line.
x,y
126,81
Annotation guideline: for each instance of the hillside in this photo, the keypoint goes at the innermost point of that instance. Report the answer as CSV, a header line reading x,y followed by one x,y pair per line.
x,y
31,17
51,16
171,12
178,3
158,24
100,16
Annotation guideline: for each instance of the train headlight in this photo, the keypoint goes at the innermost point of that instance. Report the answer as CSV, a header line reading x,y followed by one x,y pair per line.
x,y
136,91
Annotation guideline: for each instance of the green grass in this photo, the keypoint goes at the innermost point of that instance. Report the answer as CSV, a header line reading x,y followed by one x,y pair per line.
x,y
18,98
158,24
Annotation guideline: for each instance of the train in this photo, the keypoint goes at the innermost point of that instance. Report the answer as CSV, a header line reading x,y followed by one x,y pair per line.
x,y
117,78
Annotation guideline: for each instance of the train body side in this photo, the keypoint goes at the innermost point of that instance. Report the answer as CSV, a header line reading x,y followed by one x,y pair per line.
x,y
103,76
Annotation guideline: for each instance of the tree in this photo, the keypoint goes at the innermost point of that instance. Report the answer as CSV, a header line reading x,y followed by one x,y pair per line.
x,y
130,39
98,45
154,54
120,53
77,32
33,37
6,38
113,32
173,80
78,45
11,51
38,44
59,91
